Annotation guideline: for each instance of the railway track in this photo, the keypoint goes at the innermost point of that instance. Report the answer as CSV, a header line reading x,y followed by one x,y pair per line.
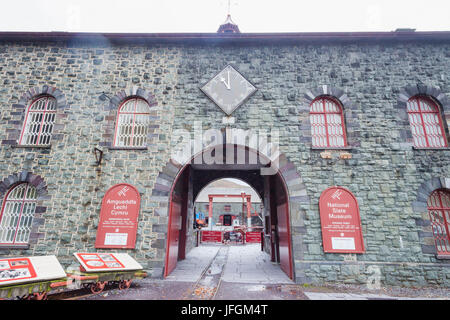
x,y
205,288
208,284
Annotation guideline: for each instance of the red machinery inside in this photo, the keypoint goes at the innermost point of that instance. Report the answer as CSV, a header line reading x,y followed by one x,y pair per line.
x,y
248,235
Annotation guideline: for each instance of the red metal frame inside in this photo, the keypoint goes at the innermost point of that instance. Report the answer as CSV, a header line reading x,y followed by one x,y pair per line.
x,y
245,197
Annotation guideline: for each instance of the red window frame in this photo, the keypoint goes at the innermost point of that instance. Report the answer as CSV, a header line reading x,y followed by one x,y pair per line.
x,y
42,120
439,215
134,113
324,113
23,201
418,99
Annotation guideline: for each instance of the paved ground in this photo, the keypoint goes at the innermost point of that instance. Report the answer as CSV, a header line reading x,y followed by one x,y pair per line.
x,y
248,264
361,296
191,268
245,273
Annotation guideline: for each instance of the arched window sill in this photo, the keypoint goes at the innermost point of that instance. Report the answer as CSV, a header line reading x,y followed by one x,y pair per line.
x,y
15,246
421,148
443,256
127,148
332,148
31,146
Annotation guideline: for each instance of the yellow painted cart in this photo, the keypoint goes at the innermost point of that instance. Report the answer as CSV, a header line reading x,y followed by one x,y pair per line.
x,y
32,290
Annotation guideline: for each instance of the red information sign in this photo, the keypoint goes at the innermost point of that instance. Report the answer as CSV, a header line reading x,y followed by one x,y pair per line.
x,y
211,236
340,220
16,269
253,237
118,218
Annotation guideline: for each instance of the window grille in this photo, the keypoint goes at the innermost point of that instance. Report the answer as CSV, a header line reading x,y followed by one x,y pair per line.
x,y
439,213
39,120
327,124
17,214
132,123
426,123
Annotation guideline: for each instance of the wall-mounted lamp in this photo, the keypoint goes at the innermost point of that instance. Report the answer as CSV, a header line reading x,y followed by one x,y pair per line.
x,y
98,156
104,96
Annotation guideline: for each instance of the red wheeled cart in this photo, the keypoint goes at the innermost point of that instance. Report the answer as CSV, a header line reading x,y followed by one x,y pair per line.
x,y
32,290
96,282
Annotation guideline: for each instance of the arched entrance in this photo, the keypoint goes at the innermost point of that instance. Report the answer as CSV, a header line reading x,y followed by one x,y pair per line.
x,y
190,178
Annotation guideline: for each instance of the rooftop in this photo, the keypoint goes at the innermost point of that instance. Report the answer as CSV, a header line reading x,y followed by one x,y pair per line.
x,y
298,37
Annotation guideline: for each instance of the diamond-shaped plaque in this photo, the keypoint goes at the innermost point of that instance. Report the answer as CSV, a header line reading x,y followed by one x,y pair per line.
x,y
228,89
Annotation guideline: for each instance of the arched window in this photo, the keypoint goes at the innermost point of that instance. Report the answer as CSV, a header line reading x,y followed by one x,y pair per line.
x,y
426,123
17,214
327,123
439,212
132,123
38,125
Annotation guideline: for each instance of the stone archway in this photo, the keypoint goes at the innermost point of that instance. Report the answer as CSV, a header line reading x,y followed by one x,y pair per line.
x,y
290,180
421,89
21,108
113,106
352,125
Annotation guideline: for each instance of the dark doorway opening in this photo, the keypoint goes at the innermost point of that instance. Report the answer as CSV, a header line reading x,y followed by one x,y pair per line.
x,y
227,220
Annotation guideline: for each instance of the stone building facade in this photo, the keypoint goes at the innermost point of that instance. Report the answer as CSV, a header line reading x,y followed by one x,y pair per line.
x,y
372,75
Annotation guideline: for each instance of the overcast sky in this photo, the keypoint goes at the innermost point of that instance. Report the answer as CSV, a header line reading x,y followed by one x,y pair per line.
x,y
206,15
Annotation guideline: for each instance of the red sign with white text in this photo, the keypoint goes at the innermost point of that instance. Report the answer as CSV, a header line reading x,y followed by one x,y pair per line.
x,y
340,220
253,237
211,236
118,218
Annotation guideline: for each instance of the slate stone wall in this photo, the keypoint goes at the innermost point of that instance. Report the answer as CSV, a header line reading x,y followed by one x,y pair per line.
x,y
384,171
78,75
389,178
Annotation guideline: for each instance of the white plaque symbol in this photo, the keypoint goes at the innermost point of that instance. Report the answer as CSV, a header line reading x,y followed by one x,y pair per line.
x,y
336,195
123,191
